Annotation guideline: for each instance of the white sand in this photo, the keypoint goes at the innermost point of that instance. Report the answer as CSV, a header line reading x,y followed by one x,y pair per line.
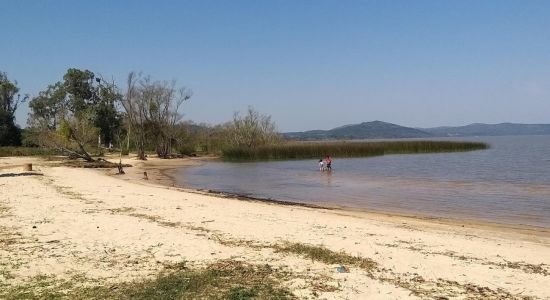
x,y
119,228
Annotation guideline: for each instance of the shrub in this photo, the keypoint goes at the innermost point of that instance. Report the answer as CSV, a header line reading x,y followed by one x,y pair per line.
x,y
25,151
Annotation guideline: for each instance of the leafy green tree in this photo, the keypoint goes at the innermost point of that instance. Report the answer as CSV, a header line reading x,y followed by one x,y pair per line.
x,y
47,106
10,134
90,95
75,112
106,116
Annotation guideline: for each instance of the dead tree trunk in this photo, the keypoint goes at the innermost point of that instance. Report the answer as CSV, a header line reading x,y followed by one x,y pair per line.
x,y
84,153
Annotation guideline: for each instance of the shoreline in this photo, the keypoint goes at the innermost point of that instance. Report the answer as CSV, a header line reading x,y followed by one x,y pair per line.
x,y
76,227
167,169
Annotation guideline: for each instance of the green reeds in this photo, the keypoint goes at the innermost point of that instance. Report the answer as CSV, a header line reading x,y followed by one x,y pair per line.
x,y
309,150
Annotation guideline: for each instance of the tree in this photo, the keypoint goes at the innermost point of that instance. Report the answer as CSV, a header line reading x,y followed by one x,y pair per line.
x,y
10,134
153,111
46,108
95,99
135,113
72,114
106,116
252,130
201,137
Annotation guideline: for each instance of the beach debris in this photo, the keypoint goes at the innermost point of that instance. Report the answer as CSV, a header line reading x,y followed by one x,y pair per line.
x,y
33,226
342,269
27,167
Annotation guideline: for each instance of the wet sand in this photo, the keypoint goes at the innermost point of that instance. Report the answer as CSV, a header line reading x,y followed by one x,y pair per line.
x,y
164,172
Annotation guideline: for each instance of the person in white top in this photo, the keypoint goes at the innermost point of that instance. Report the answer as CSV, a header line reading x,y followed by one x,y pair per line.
x,y
321,165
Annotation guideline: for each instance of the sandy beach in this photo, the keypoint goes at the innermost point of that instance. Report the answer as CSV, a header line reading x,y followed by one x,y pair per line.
x,y
99,229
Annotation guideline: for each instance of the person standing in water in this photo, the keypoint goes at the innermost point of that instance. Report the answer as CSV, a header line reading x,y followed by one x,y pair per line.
x,y
321,165
329,163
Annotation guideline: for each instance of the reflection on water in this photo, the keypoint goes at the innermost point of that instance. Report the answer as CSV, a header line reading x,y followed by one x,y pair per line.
x,y
508,183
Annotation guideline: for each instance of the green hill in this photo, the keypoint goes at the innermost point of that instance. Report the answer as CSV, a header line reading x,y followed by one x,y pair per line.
x,y
365,130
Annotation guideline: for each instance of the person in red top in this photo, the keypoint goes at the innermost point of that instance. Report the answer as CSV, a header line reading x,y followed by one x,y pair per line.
x,y
328,163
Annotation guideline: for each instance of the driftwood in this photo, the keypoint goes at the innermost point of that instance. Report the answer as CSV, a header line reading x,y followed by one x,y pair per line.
x,y
172,156
97,164
74,154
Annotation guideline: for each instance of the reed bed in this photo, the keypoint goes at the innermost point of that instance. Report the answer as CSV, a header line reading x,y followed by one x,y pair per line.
x,y
305,150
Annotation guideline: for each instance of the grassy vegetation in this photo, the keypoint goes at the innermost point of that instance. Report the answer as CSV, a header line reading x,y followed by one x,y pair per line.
x,y
304,150
228,279
25,151
326,256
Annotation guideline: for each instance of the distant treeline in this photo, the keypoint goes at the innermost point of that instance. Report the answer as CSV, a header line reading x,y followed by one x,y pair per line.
x,y
309,150
82,115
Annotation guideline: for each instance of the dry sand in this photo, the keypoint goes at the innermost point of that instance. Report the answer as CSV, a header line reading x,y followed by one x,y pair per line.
x,y
68,222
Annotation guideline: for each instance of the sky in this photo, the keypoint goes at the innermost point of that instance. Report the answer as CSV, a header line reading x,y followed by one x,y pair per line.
x,y
308,64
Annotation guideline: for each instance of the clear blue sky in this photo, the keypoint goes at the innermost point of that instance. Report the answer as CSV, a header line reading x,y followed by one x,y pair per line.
x,y
310,64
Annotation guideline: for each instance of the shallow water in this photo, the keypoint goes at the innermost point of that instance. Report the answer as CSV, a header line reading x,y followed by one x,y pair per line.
x,y
508,183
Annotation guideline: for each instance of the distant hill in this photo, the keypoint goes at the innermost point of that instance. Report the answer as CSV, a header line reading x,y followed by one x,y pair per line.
x,y
366,130
383,130
478,129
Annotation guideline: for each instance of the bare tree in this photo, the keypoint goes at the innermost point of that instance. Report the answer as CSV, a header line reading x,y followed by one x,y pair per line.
x,y
153,110
252,130
135,113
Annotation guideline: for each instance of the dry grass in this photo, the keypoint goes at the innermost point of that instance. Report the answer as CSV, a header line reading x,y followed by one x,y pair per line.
x,y
226,279
327,256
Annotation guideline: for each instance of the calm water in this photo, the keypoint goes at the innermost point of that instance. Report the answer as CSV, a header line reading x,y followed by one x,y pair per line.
x,y
509,183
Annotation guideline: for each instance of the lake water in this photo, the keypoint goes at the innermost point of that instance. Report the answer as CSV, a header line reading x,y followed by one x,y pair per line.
x,y
508,183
